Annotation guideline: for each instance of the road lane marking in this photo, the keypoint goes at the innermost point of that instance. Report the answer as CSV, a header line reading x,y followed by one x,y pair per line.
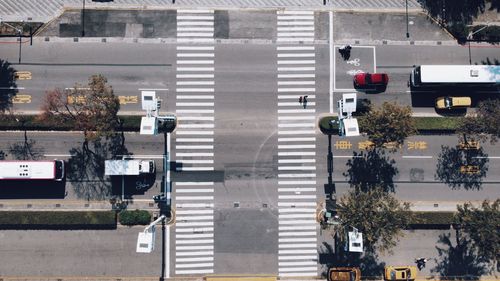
x,y
289,161
194,190
21,98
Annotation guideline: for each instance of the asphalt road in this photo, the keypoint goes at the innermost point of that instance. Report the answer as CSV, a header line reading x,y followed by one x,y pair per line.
x,y
133,67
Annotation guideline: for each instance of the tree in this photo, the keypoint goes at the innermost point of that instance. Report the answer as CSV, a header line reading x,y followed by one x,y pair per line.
x,y
378,215
485,123
482,226
92,110
8,87
388,123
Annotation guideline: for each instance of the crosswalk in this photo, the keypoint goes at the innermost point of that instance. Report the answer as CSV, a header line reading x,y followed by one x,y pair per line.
x,y
195,99
296,144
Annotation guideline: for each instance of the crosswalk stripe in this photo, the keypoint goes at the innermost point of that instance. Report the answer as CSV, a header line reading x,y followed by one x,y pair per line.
x,y
197,253
196,161
194,259
296,139
194,76
306,233
194,11
195,40
194,241
194,265
182,28
198,247
196,111
195,169
296,189
298,216
283,182
195,62
194,183
195,90
296,146
185,224
298,246
295,48
194,229
191,132
197,17
301,110
195,48
301,257
195,69
194,212
194,154
195,190
296,62
289,161
198,126
295,23
195,34
298,263
194,147
293,125
296,153
298,251
197,271
194,104
296,168
296,33
195,139
296,197
296,175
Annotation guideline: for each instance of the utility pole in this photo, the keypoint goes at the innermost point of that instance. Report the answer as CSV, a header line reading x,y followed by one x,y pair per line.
x,y
19,31
83,19
407,31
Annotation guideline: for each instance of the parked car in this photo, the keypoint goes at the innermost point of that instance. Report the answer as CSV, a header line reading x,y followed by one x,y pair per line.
x,y
371,81
400,273
344,274
452,102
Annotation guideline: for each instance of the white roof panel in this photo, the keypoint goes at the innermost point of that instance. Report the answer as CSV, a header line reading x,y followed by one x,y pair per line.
x,y
460,74
27,170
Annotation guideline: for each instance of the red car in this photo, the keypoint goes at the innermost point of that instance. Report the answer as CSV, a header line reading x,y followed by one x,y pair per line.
x,y
375,81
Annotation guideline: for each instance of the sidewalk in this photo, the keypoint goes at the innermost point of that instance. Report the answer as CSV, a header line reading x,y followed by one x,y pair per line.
x,y
45,10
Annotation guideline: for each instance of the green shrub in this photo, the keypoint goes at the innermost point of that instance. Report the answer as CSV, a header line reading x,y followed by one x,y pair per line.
x,y
57,220
135,217
433,220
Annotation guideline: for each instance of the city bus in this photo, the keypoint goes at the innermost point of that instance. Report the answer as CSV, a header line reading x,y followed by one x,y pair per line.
x,y
32,170
455,75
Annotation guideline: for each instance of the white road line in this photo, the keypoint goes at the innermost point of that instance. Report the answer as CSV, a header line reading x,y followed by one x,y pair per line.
x,y
298,233
195,23
195,139
196,111
195,76
347,156
195,69
194,147
196,118
295,48
294,12
296,197
300,83
204,161
289,161
296,168
195,168
297,189
194,230
296,153
194,212
303,75
303,68
294,39
295,28
186,11
296,139
194,190
153,89
281,96
194,34
197,17
190,83
298,263
312,273
296,175
195,90
195,40
194,104
310,103
194,154
197,271
194,259
298,245
296,146
282,89
296,182
194,241
295,23
200,223
295,33
207,247
298,216
198,126
296,61
301,110
180,132
296,55
195,48
301,257
293,125
195,61
194,265
417,157
297,132
197,253
296,251
195,29
294,17
195,55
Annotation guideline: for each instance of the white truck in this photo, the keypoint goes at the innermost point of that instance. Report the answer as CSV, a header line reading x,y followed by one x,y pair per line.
x,y
129,167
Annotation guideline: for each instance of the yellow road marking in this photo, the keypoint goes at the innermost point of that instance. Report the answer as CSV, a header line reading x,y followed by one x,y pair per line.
x,y
76,99
470,169
22,75
127,99
21,99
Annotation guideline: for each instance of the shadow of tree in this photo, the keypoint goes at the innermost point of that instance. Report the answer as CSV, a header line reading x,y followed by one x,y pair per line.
x,y
461,168
367,262
463,11
2,155
371,169
8,86
490,62
26,150
86,166
459,262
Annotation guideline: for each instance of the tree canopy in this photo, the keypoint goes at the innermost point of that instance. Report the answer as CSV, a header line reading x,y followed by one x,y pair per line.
x,y
482,226
92,109
389,123
8,87
486,122
378,215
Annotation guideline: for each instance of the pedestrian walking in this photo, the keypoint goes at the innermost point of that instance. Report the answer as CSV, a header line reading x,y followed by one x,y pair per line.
x,y
305,102
300,100
421,263
345,52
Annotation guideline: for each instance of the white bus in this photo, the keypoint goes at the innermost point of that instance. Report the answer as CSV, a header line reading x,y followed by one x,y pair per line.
x,y
32,170
455,75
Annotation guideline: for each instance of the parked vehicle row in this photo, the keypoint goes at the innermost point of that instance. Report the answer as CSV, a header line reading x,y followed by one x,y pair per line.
x,y
391,273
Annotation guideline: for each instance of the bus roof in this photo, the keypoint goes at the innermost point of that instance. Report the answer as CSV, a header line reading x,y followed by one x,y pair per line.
x,y
460,74
27,170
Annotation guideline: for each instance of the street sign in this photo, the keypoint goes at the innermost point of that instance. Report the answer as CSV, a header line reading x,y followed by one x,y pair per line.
x,y
146,241
356,242
149,126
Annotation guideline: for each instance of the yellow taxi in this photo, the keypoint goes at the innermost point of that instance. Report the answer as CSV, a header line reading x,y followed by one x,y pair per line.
x,y
344,274
400,273
452,102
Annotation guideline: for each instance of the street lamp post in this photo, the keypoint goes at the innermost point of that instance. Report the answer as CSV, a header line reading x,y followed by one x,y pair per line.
x,y
83,19
19,32
407,31
469,38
